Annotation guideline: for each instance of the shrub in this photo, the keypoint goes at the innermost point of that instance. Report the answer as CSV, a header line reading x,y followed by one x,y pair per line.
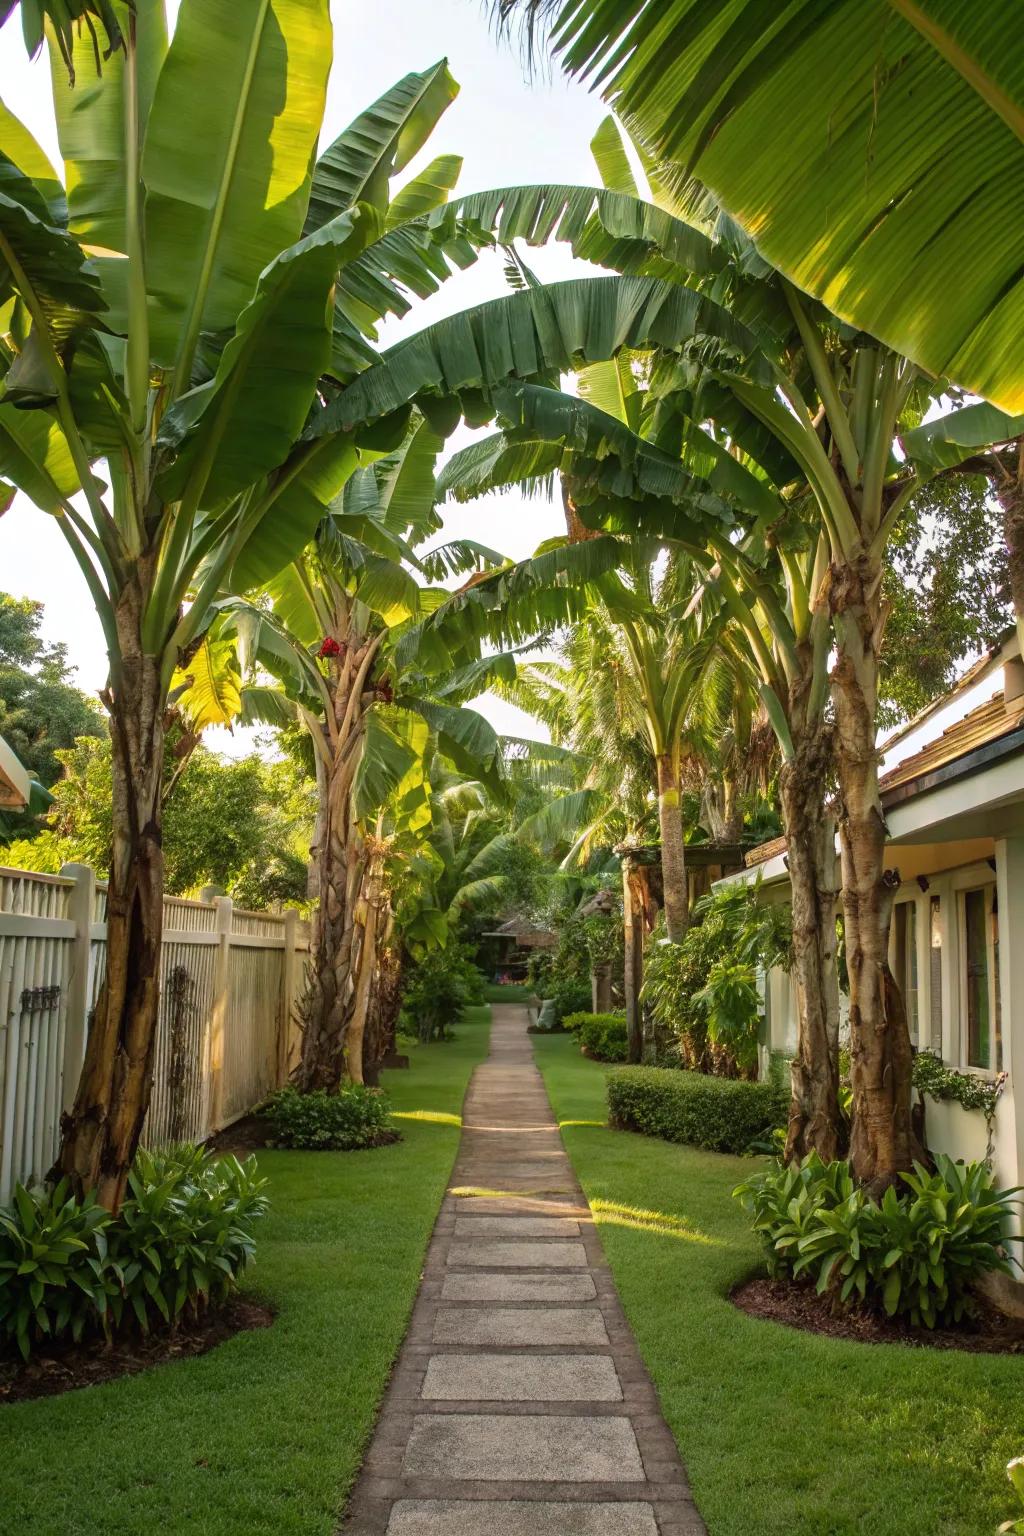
x,y
915,1254
601,1035
438,988
567,994
704,992
181,1238
719,1114
355,1116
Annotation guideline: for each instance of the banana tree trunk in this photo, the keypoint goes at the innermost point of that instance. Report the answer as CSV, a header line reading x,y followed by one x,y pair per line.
x,y
100,1133
371,899
340,862
882,1143
673,850
815,1122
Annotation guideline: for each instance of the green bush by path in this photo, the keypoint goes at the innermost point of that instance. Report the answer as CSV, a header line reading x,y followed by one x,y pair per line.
x,y
784,1433
720,1114
602,1036
335,1122
264,1435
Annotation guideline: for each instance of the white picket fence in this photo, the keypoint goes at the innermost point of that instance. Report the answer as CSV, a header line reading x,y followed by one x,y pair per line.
x,y
225,1037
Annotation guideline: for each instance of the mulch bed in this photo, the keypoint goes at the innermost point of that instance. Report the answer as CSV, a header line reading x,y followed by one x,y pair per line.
x,y
65,1367
798,1306
252,1134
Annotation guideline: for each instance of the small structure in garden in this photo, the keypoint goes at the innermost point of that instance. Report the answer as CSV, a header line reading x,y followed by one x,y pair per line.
x,y
15,784
516,939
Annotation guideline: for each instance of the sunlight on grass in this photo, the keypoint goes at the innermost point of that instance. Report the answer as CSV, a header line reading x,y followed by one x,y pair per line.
x,y
434,1116
608,1213
599,1123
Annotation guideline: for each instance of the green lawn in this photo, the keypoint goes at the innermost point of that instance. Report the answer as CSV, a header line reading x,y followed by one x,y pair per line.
x,y
784,1433
262,1437
510,992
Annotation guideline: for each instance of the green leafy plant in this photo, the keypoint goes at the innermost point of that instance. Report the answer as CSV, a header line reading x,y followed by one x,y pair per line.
x,y
439,986
602,1036
914,1254
703,992
183,1235
717,1113
568,995
1015,1472
967,1089
352,1118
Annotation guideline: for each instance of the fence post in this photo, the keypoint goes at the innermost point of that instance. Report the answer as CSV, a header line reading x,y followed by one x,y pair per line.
x,y
223,907
289,973
81,903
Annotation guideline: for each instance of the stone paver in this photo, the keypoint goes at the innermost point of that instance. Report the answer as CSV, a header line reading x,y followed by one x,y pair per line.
x,y
513,1255
522,1378
519,1405
516,1226
524,1326
509,1286
498,1448
505,1517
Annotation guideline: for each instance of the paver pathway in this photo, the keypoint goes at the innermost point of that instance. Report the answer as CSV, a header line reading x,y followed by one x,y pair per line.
x,y
519,1405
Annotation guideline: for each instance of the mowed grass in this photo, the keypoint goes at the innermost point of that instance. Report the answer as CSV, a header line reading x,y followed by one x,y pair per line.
x,y
264,1435
784,1433
508,992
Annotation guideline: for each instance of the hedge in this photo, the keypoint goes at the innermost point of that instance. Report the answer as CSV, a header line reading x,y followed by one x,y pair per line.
x,y
720,1114
602,1036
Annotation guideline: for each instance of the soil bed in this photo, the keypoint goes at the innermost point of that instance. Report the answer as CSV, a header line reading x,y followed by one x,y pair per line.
x,y
798,1306
65,1367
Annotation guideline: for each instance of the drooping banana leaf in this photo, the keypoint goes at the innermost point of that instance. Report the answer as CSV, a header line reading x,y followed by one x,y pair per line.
x,y
27,175
253,410
538,333
951,439
864,146
430,189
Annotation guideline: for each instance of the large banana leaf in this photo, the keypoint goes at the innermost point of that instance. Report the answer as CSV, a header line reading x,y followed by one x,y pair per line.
x,y
429,190
90,113
27,175
462,735
496,462
358,166
253,410
299,505
951,439
871,148
52,265
34,454
227,158
538,333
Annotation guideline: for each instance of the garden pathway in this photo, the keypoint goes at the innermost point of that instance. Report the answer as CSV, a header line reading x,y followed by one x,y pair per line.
x,y
519,1405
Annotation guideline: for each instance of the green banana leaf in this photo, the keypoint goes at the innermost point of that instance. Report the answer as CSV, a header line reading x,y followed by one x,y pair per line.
x,y
227,158
871,149
380,143
27,175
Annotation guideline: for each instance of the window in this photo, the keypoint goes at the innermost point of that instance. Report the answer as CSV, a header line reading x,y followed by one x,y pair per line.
x,y
980,985
905,962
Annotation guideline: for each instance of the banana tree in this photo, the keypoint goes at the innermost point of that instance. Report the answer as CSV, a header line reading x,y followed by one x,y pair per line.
x,y
173,314
846,139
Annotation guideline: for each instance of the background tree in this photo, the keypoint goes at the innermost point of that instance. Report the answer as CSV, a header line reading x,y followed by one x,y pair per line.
x,y
41,710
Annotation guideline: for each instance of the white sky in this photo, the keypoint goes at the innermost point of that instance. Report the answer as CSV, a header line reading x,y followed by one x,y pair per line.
x,y
507,129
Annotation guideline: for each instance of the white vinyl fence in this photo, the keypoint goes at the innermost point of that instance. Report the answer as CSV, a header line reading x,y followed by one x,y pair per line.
x,y
225,1035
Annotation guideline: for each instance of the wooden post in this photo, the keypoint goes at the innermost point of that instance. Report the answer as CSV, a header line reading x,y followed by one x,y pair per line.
x,y
289,977
81,902
219,1011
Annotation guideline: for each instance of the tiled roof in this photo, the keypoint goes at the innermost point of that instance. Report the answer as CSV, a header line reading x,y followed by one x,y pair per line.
x,y
983,726
980,728
764,851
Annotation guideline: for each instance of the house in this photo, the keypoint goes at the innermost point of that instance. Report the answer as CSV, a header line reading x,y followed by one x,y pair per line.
x,y
952,787
515,940
15,784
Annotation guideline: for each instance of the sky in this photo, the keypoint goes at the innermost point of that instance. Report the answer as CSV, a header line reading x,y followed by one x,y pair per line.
x,y
508,129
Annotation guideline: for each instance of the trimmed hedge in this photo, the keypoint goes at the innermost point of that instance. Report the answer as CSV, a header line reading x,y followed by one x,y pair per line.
x,y
720,1114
